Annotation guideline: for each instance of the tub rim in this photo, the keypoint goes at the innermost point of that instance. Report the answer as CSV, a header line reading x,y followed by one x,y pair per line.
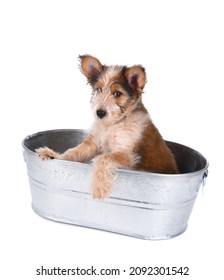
x,y
122,170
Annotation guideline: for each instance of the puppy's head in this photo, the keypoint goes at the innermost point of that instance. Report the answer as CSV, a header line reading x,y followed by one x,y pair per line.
x,y
116,89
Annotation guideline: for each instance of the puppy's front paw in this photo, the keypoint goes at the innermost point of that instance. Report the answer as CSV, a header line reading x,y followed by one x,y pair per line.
x,y
100,190
46,153
103,177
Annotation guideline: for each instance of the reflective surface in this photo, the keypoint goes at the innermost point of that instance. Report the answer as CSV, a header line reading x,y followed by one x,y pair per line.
x,y
142,204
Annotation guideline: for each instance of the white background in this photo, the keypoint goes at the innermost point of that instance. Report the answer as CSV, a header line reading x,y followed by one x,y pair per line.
x,y
181,45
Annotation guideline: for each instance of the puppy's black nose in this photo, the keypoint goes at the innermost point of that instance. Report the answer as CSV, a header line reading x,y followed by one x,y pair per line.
x,y
101,114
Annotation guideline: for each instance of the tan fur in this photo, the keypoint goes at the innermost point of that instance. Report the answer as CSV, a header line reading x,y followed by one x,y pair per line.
x,y
124,136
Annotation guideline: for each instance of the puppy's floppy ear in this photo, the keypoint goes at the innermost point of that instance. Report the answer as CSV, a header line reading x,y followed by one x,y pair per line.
x,y
136,77
91,67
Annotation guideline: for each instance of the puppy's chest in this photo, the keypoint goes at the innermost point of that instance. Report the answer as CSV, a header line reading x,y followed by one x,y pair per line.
x,y
108,141
120,138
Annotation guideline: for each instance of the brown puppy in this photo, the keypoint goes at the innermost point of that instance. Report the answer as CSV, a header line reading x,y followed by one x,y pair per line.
x,y
123,135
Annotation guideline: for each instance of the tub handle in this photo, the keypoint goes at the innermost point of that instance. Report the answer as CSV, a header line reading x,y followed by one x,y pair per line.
x,y
205,175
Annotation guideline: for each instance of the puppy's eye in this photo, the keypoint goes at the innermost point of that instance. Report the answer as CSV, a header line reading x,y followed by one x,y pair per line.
x,y
117,94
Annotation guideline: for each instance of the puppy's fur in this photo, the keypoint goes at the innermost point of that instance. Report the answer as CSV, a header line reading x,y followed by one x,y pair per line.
x,y
123,135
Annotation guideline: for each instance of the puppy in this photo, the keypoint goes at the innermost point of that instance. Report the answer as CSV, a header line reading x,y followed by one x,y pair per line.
x,y
123,135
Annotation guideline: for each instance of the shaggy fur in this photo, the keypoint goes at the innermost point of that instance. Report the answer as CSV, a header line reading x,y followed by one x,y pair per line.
x,y
123,135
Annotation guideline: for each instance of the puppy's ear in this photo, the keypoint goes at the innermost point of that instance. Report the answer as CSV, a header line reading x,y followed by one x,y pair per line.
x,y
136,77
91,68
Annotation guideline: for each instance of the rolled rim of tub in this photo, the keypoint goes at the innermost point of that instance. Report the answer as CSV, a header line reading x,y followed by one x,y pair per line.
x,y
202,164
60,190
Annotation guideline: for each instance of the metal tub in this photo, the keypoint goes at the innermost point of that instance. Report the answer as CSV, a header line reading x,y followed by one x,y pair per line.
x,y
142,204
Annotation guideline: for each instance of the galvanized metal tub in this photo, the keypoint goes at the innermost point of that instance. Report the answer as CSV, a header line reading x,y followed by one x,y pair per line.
x,y
142,204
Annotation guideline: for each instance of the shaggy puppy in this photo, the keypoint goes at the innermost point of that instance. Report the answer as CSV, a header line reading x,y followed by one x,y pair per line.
x,y
123,135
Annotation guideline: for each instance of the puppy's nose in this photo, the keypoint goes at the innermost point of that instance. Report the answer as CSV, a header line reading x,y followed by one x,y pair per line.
x,y
100,113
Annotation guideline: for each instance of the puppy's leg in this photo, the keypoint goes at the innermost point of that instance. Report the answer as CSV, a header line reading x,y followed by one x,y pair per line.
x,y
82,153
104,169
45,153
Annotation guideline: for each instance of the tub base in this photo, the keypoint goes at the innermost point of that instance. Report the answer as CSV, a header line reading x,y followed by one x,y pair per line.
x,y
132,218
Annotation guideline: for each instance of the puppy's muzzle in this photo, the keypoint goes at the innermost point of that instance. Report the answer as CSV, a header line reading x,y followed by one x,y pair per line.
x,y
101,113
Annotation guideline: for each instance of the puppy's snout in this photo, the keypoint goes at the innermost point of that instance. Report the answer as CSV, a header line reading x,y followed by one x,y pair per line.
x,y
101,113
